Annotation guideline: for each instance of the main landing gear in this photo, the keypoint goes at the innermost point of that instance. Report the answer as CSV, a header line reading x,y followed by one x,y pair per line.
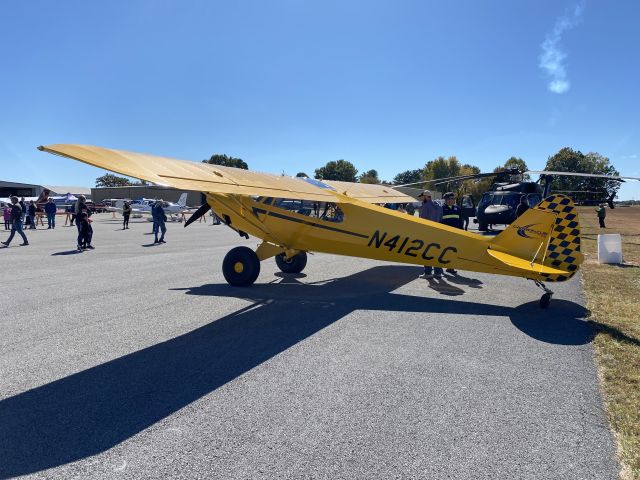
x,y
241,266
546,297
294,264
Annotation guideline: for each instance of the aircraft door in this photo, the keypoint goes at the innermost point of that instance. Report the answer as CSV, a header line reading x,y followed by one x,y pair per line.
x,y
468,206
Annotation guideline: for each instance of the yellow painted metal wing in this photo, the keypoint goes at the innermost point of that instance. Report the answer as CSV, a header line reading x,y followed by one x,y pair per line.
x,y
370,193
188,175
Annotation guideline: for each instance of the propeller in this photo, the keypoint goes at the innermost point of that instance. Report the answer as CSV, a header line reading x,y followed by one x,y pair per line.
x,y
197,214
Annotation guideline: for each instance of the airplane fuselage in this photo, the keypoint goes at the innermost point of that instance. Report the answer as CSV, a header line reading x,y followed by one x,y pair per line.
x,y
370,231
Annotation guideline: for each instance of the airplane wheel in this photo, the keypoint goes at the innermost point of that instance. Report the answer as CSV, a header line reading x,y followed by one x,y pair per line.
x,y
482,227
241,267
545,300
293,265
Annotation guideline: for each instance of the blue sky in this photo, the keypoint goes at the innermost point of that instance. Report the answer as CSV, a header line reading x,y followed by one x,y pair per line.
x,y
290,85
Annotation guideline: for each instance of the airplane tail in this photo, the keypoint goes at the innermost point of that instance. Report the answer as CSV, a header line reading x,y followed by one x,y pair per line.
x,y
182,201
544,240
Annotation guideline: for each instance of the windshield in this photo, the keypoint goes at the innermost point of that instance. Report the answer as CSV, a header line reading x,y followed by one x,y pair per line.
x,y
499,199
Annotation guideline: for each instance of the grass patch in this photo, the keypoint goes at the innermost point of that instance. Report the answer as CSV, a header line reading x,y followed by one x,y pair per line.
x,y
612,294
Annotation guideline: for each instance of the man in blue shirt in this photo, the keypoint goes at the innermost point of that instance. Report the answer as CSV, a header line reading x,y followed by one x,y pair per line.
x,y
50,209
430,210
157,212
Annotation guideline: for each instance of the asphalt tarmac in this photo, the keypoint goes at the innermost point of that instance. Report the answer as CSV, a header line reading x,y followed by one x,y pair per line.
x,y
139,361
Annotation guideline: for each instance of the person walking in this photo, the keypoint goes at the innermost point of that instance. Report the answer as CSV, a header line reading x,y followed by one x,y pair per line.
x,y
523,206
452,216
16,223
6,213
50,209
601,211
32,214
126,213
159,217
430,210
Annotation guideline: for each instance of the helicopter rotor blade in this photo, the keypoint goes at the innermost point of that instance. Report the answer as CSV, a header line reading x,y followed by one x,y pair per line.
x,y
571,174
459,178
197,214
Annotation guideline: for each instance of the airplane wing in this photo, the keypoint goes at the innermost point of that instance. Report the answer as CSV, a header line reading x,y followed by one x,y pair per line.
x,y
198,176
205,177
369,192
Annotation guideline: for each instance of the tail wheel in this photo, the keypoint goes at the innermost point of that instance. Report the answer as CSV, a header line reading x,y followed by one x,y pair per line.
x,y
294,264
545,300
241,267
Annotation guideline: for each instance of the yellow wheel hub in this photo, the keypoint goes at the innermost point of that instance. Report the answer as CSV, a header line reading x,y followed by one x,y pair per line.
x,y
238,267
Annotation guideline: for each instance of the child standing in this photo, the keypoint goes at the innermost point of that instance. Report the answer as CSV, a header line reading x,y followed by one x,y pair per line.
x,y
6,212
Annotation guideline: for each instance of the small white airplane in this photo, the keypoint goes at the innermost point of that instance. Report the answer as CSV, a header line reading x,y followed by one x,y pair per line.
x,y
143,206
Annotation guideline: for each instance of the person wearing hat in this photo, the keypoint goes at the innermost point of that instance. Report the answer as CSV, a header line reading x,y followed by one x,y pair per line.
x,y
452,216
430,210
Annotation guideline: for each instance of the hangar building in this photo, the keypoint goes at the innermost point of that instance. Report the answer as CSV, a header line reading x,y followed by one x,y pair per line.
x,y
32,190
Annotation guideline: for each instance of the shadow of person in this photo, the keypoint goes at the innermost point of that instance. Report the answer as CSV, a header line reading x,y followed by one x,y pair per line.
x,y
67,252
91,411
443,288
460,280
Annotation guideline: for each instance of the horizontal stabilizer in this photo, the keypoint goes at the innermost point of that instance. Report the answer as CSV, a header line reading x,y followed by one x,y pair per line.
x,y
519,263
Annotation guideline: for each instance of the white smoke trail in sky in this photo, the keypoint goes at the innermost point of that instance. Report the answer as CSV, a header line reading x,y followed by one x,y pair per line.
x,y
552,57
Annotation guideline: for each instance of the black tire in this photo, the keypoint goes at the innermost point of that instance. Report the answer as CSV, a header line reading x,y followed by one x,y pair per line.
x,y
545,300
294,265
241,267
482,227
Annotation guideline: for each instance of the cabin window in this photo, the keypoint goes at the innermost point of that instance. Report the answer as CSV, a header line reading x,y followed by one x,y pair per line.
x,y
533,199
326,211
467,202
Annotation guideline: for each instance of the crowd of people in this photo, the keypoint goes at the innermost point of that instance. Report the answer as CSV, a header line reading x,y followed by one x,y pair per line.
x,y
19,214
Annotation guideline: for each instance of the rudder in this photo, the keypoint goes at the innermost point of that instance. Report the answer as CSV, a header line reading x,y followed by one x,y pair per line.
x,y
547,234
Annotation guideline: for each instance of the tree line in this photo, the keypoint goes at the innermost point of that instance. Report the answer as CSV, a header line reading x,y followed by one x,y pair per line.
x,y
565,160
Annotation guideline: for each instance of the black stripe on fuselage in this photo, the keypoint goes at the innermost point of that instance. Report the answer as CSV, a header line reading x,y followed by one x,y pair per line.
x,y
306,222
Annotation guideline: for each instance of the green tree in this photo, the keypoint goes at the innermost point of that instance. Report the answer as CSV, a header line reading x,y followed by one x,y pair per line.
x,y
370,176
227,161
408,176
442,168
337,170
473,186
574,161
110,180
301,174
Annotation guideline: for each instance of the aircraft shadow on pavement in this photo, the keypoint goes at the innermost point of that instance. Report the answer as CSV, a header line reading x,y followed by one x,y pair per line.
x,y
91,411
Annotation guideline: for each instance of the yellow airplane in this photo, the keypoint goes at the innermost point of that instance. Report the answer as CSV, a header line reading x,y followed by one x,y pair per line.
x,y
293,216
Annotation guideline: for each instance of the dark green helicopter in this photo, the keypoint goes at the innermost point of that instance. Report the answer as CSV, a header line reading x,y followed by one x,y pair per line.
x,y
498,205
